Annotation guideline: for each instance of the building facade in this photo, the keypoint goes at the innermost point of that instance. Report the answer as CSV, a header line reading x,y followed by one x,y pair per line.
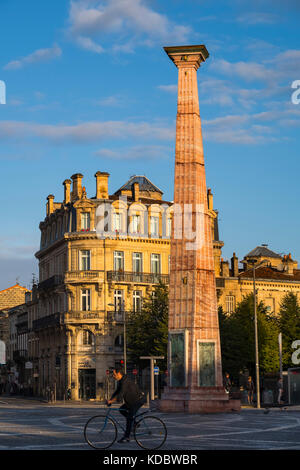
x,y
10,299
99,257
278,275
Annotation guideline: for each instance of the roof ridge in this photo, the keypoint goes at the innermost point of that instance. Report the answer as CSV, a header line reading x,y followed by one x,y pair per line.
x,y
12,287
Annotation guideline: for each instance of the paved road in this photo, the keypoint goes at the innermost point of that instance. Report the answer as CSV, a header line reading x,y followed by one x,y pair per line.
x,y
33,425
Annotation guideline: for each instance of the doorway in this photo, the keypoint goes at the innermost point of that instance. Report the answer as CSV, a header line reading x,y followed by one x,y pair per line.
x,y
87,383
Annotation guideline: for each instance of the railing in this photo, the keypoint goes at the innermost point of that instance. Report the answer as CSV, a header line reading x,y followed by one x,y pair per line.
x,y
46,322
51,282
82,275
118,316
82,315
143,278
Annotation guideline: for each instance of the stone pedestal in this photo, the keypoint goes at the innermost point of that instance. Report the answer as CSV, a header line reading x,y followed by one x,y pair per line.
x,y
194,356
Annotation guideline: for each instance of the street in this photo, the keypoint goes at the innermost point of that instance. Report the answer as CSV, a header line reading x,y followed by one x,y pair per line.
x,y
34,425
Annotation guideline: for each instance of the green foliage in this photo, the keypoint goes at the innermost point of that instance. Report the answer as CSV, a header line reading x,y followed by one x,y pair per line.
x,y
289,323
147,331
237,335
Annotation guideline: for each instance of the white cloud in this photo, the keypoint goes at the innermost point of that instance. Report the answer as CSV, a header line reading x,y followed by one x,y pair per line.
x,y
168,88
123,18
40,55
89,44
85,132
254,18
135,153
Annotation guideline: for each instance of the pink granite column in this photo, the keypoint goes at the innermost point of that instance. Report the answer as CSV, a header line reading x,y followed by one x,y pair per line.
x,y
193,312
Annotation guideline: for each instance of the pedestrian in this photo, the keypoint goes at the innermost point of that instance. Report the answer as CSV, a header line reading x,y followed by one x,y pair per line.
x,y
133,398
250,390
279,390
227,383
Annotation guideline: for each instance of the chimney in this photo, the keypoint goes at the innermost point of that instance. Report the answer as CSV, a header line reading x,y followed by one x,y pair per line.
x,y
210,199
224,268
234,266
50,204
67,185
136,192
101,184
77,189
288,264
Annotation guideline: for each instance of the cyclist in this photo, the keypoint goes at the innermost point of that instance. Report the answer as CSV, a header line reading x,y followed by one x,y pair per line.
x,y
133,398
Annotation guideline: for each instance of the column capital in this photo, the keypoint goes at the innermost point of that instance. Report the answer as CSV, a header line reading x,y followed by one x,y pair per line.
x,y
187,56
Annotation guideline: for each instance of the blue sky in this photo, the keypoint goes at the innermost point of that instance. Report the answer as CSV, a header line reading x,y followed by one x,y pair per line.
x,y
90,88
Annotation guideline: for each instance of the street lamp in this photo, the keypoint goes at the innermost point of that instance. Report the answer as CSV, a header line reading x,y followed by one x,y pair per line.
x,y
124,332
254,267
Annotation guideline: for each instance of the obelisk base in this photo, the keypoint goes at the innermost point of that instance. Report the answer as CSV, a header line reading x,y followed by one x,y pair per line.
x,y
199,400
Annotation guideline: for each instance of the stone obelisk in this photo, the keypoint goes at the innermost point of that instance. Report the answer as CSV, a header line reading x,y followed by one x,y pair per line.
x,y
194,355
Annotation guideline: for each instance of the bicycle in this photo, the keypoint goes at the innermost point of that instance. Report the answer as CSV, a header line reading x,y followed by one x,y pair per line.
x,y
101,431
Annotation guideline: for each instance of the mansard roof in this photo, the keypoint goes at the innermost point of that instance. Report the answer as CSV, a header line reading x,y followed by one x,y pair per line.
x,y
263,251
144,183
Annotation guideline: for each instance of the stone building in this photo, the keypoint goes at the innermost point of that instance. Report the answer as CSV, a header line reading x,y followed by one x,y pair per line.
x,y
278,275
10,297
99,257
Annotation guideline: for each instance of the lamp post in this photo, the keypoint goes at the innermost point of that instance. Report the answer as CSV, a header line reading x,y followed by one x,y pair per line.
x,y
254,267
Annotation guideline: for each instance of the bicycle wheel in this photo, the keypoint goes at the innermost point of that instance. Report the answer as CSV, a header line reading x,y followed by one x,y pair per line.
x,y
150,432
100,432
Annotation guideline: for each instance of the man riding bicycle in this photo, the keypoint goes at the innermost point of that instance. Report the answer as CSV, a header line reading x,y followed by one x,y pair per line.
x,y
133,398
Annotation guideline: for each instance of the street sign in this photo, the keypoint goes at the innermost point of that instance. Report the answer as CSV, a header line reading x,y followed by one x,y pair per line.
x,y
156,370
134,371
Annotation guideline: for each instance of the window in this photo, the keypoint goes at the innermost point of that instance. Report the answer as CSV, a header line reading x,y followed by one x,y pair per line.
x,y
117,222
119,342
85,300
118,301
136,224
155,263
85,221
118,260
168,227
230,303
154,226
137,301
137,262
85,260
87,338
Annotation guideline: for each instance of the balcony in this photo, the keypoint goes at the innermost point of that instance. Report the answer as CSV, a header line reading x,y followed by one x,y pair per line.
x,y
46,322
79,276
117,316
137,278
50,283
75,316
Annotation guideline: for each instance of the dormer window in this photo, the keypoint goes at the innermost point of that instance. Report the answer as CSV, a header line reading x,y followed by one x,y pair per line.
x,y
85,221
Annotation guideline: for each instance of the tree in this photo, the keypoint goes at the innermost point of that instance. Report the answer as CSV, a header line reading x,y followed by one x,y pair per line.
x,y
147,330
289,324
238,339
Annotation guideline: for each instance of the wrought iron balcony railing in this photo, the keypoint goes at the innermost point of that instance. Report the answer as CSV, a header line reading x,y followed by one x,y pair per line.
x,y
142,278
50,282
46,322
118,316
